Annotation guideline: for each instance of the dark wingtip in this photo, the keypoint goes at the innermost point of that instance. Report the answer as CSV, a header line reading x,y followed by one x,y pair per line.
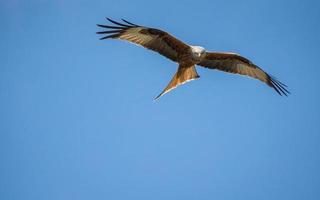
x,y
114,31
129,22
111,27
102,26
110,36
117,23
107,32
278,86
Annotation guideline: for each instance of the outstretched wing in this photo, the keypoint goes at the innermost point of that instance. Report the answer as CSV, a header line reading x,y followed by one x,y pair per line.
x,y
150,38
234,63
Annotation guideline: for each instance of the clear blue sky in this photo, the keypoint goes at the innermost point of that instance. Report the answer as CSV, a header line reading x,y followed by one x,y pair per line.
x,y
78,119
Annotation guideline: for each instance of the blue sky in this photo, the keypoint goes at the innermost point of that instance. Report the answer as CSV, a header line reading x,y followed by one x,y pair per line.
x,y
78,119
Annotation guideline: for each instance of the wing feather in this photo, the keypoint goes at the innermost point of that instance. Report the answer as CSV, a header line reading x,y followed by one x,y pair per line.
x,y
234,63
150,38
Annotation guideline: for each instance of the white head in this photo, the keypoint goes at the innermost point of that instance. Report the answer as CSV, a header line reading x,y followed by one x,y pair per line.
x,y
198,52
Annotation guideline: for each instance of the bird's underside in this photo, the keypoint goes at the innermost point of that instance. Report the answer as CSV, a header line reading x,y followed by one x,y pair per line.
x,y
187,56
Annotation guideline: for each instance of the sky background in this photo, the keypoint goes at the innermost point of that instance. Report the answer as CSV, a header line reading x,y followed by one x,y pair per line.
x,y
78,119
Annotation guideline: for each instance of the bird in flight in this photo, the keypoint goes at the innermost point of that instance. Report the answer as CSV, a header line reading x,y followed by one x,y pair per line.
x,y
187,56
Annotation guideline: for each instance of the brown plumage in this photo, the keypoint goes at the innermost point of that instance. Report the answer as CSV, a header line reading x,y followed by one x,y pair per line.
x,y
187,56
233,63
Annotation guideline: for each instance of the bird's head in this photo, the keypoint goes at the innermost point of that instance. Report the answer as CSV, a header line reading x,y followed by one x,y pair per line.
x,y
198,52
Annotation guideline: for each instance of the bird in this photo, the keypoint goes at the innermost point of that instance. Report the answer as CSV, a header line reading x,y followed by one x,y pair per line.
x,y
187,56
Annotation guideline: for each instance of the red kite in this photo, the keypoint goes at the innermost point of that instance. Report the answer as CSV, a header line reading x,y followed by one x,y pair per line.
x,y
187,56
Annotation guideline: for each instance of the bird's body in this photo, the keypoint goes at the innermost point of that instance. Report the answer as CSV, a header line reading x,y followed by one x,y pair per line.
x,y
187,56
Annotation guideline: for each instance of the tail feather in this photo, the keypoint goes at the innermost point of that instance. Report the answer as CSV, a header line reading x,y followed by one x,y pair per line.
x,y
183,75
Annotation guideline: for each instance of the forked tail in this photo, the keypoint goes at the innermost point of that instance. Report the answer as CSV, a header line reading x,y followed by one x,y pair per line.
x,y
183,75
